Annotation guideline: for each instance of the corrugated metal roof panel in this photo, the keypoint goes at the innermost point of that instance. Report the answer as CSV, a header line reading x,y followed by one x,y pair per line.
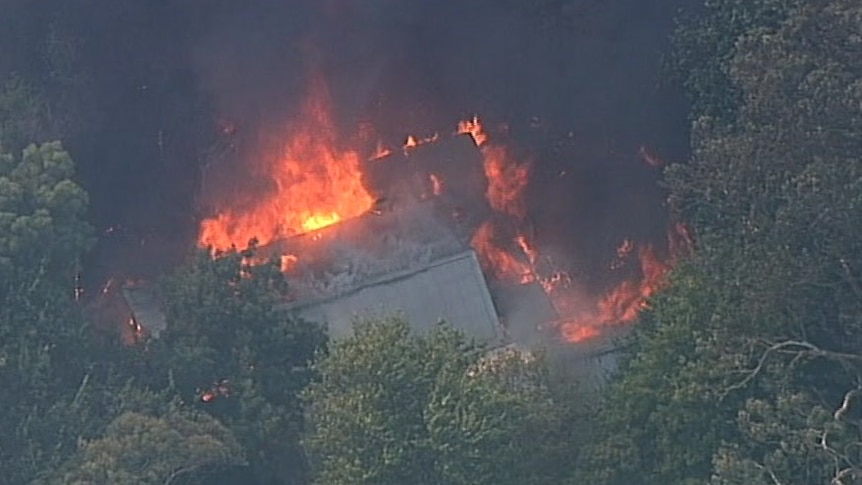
x,y
145,306
451,289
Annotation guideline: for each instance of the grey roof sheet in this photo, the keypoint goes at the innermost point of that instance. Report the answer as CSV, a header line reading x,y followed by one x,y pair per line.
x,y
145,306
451,289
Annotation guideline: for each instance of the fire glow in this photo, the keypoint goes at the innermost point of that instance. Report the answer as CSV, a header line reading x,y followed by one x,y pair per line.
x,y
316,184
517,259
624,302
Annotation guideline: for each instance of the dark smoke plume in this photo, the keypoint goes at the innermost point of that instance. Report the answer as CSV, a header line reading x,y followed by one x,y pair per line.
x,y
577,84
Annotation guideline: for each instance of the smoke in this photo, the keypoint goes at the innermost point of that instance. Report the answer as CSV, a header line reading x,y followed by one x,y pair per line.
x,y
576,87
581,94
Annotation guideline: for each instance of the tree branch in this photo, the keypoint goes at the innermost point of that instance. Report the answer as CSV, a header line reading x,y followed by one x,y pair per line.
x,y
768,470
848,272
799,348
81,389
845,404
850,472
180,472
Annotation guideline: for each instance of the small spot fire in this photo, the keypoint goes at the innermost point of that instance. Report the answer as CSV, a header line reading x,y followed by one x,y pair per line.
x,y
316,184
220,388
134,305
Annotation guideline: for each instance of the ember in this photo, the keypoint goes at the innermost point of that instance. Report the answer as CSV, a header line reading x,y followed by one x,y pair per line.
x,y
220,388
413,142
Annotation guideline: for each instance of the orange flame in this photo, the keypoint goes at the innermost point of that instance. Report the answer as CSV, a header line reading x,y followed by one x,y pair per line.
x,y
507,180
517,262
621,304
413,142
135,332
527,248
474,128
577,334
380,151
287,262
315,185
496,260
220,388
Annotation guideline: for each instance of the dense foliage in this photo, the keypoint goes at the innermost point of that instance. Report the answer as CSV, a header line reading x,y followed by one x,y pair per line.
x,y
747,370
393,407
229,351
754,349
706,40
137,448
43,340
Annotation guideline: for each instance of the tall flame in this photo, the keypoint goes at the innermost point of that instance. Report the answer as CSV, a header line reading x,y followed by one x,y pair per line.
x,y
516,260
507,179
474,128
622,304
315,184
497,260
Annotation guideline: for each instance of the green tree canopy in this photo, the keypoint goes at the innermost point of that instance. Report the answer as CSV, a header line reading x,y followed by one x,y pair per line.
x,y
229,351
44,349
704,42
743,368
42,213
392,407
138,448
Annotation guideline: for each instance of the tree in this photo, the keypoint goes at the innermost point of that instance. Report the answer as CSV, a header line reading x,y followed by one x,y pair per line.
x,y
41,213
229,351
43,340
176,448
392,407
762,327
705,41
663,416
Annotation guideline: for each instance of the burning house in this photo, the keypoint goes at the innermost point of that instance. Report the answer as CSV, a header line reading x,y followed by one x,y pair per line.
x,y
435,229
410,253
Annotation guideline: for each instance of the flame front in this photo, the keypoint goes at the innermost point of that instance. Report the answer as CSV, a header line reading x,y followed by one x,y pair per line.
x,y
622,304
501,263
507,179
314,184
516,260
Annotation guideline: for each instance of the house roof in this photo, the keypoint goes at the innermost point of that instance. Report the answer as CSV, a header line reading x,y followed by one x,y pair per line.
x,y
369,247
451,289
145,307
